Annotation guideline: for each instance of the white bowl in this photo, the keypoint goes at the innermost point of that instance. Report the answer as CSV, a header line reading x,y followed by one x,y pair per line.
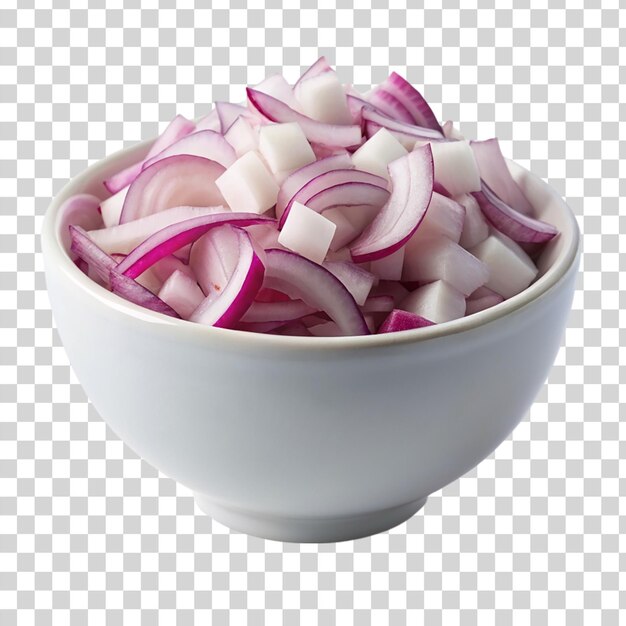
x,y
311,439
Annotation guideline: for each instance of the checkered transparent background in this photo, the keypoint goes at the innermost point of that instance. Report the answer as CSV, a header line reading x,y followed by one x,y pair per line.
x,y
91,534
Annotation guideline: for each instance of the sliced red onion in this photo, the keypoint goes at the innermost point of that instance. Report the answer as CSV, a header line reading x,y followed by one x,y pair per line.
x,y
339,188
271,295
318,132
399,320
181,180
296,180
88,250
277,87
131,290
302,279
388,104
495,172
227,112
406,134
204,143
378,304
177,129
81,210
111,208
441,190
235,298
182,293
516,225
211,121
412,188
413,100
125,237
357,281
319,67
173,237
277,311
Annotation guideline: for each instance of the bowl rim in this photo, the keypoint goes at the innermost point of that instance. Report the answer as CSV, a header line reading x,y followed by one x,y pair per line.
x,y
55,255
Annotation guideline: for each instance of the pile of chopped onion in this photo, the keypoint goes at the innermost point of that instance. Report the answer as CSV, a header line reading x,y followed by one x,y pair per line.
x,y
312,210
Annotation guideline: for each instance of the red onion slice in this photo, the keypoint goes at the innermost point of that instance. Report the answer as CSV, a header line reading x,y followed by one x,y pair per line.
x,y
318,132
228,112
357,281
302,279
388,104
132,291
204,143
177,129
340,188
399,320
277,87
406,134
88,250
277,311
494,171
319,67
235,298
516,225
412,188
181,180
296,180
173,237
123,238
413,100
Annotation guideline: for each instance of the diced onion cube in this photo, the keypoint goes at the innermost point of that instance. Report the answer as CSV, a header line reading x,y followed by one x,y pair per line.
x,y
377,152
285,147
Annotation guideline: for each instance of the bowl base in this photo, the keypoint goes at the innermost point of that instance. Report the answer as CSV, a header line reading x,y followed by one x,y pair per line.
x,y
308,530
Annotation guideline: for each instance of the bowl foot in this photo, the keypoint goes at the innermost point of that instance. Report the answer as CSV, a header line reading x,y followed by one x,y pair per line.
x,y
308,530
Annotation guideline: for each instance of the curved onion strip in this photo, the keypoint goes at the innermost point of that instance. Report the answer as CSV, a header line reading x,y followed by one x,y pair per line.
x,y
319,67
228,112
302,279
516,225
332,179
357,280
494,171
180,180
407,134
399,320
85,248
389,105
412,188
327,134
173,237
131,290
413,100
204,143
177,129
296,180
243,284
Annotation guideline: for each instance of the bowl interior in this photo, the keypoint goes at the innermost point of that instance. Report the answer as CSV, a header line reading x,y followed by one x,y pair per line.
x,y
555,260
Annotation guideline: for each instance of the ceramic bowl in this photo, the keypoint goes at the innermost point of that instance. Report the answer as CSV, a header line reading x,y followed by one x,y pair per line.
x,y
311,439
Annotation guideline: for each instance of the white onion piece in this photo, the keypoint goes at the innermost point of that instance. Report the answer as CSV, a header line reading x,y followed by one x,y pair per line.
x,y
441,259
181,293
510,269
390,267
247,185
444,218
378,304
242,136
455,166
323,98
111,208
277,87
345,231
307,232
284,147
475,226
319,67
377,152
436,301
228,112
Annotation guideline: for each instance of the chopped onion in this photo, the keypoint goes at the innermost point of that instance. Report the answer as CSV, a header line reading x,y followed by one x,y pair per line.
x,y
131,290
399,320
